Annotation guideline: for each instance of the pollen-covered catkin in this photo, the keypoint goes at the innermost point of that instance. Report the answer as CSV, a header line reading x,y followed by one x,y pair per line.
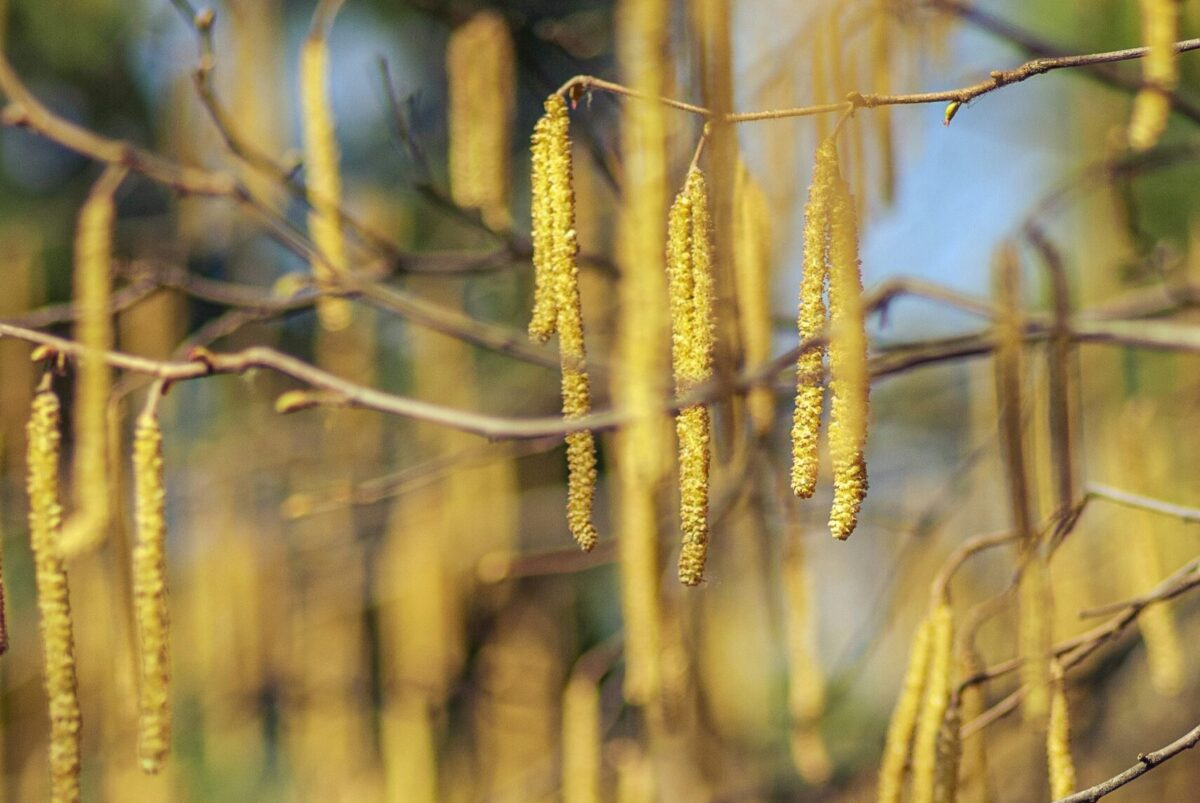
x,y
581,741
752,270
690,290
479,69
54,606
904,717
933,705
848,380
949,757
544,318
557,303
1160,72
1058,737
323,178
150,596
87,525
810,388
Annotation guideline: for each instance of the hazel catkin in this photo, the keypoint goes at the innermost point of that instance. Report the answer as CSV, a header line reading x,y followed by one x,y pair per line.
x,y
54,605
1058,737
904,717
479,69
323,179
810,389
933,705
150,596
581,740
1160,73
558,306
690,292
849,383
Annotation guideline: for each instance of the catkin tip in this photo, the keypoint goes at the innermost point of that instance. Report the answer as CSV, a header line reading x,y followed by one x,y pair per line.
x,y
1058,737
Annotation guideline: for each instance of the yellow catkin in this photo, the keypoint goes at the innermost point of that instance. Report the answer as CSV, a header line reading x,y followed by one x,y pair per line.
x,y
974,759
323,178
933,705
150,596
690,290
881,72
58,642
558,306
1034,622
480,74
949,757
581,741
806,685
87,526
1160,72
1058,737
544,319
904,717
849,383
752,270
640,384
810,389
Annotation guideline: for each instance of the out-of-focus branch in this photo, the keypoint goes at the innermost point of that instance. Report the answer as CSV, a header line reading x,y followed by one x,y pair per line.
x,y
1145,763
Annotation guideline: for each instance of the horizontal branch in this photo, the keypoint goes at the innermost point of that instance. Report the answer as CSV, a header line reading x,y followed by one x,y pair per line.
x,y
997,79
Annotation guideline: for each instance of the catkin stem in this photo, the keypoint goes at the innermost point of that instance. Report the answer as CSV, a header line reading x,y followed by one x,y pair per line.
x,y
54,606
150,596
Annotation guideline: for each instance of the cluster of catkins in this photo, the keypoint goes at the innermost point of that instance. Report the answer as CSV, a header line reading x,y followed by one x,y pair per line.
x,y
831,265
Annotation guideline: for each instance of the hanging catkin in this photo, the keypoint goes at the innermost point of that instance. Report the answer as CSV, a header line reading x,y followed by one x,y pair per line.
x,y
479,69
640,384
849,384
1058,737
54,606
810,388
904,717
933,705
557,303
690,289
806,685
752,270
87,525
323,178
581,740
949,756
1160,73
150,596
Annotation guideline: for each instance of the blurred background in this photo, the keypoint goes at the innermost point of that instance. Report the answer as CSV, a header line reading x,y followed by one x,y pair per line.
x,y
367,608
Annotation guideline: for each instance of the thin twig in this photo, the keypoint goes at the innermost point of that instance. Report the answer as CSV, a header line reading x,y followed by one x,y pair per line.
x,y
1145,763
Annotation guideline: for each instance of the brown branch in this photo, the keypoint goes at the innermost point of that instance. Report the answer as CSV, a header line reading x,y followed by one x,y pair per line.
x,y
997,79
1145,763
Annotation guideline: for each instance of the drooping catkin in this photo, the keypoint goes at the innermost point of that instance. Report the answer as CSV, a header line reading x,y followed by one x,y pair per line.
x,y
849,383
558,306
87,525
806,684
323,178
581,740
904,716
639,385
933,705
949,756
1035,618
544,318
54,606
1058,737
690,290
810,388
752,270
1160,73
479,69
150,596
